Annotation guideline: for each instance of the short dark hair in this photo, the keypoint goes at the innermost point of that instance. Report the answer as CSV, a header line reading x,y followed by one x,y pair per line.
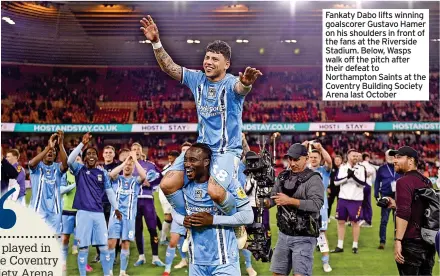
x,y
204,147
220,47
83,156
174,153
365,155
124,150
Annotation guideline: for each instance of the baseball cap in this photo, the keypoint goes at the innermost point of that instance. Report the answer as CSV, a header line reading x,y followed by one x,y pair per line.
x,y
296,151
388,152
405,151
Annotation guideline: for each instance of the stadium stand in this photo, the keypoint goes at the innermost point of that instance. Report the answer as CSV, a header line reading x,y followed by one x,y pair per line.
x,y
37,94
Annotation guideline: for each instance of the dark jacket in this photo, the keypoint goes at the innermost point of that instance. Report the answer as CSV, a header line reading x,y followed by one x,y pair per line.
x,y
408,209
384,177
8,172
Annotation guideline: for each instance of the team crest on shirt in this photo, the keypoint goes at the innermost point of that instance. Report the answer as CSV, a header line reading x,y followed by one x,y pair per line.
x,y
198,194
19,168
211,93
99,177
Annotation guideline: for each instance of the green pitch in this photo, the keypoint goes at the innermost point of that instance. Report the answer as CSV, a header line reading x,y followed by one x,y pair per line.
x,y
369,261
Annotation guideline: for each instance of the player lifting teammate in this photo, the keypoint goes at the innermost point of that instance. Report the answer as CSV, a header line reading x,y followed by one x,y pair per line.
x,y
219,100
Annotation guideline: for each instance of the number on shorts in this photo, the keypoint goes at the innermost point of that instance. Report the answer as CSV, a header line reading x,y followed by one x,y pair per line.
x,y
221,175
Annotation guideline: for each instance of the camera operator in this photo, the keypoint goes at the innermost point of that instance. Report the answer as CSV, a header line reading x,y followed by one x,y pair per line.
x,y
299,196
412,254
385,187
244,181
352,178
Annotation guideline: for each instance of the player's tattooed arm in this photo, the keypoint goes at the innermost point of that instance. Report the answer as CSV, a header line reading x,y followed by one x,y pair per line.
x,y
167,64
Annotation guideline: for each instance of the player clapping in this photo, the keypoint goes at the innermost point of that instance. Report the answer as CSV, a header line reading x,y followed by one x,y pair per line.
x,y
45,176
127,188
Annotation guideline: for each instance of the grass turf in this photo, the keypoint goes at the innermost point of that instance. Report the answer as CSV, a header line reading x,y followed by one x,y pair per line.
x,y
369,260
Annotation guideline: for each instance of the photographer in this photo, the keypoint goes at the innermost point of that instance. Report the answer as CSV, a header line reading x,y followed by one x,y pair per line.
x,y
299,196
385,187
413,255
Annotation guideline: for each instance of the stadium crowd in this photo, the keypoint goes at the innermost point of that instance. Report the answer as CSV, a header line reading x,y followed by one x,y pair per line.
x,y
77,95
157,147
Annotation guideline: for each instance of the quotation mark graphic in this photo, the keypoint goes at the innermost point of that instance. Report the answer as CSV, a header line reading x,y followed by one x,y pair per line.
x,y
7,217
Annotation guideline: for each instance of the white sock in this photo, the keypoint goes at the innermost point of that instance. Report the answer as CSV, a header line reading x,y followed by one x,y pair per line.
x,y
341,244
142,257
355,244
165,230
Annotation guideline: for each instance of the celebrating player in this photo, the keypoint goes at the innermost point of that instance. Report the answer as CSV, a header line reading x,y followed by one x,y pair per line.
x,y
91,183
109,164
177,232
315,158
219,100
45,177
127,188
213,248
68,190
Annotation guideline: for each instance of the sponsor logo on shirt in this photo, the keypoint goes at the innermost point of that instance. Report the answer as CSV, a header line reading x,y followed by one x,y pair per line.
x,y
240,193
194,209
209,111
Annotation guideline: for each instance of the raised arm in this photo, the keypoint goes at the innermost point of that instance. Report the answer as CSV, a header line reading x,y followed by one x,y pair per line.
x,y
142,173
327,158
37,159
115,172
63,154
244,86
164,60
245,145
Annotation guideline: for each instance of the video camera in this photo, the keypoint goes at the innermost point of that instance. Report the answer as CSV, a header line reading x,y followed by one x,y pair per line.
x,y
383,202
259,167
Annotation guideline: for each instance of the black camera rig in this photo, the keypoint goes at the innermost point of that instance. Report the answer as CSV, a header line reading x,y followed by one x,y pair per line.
x,y
261,170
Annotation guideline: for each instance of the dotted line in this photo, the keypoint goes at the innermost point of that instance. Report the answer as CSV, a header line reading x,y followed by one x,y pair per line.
x,y
30,237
